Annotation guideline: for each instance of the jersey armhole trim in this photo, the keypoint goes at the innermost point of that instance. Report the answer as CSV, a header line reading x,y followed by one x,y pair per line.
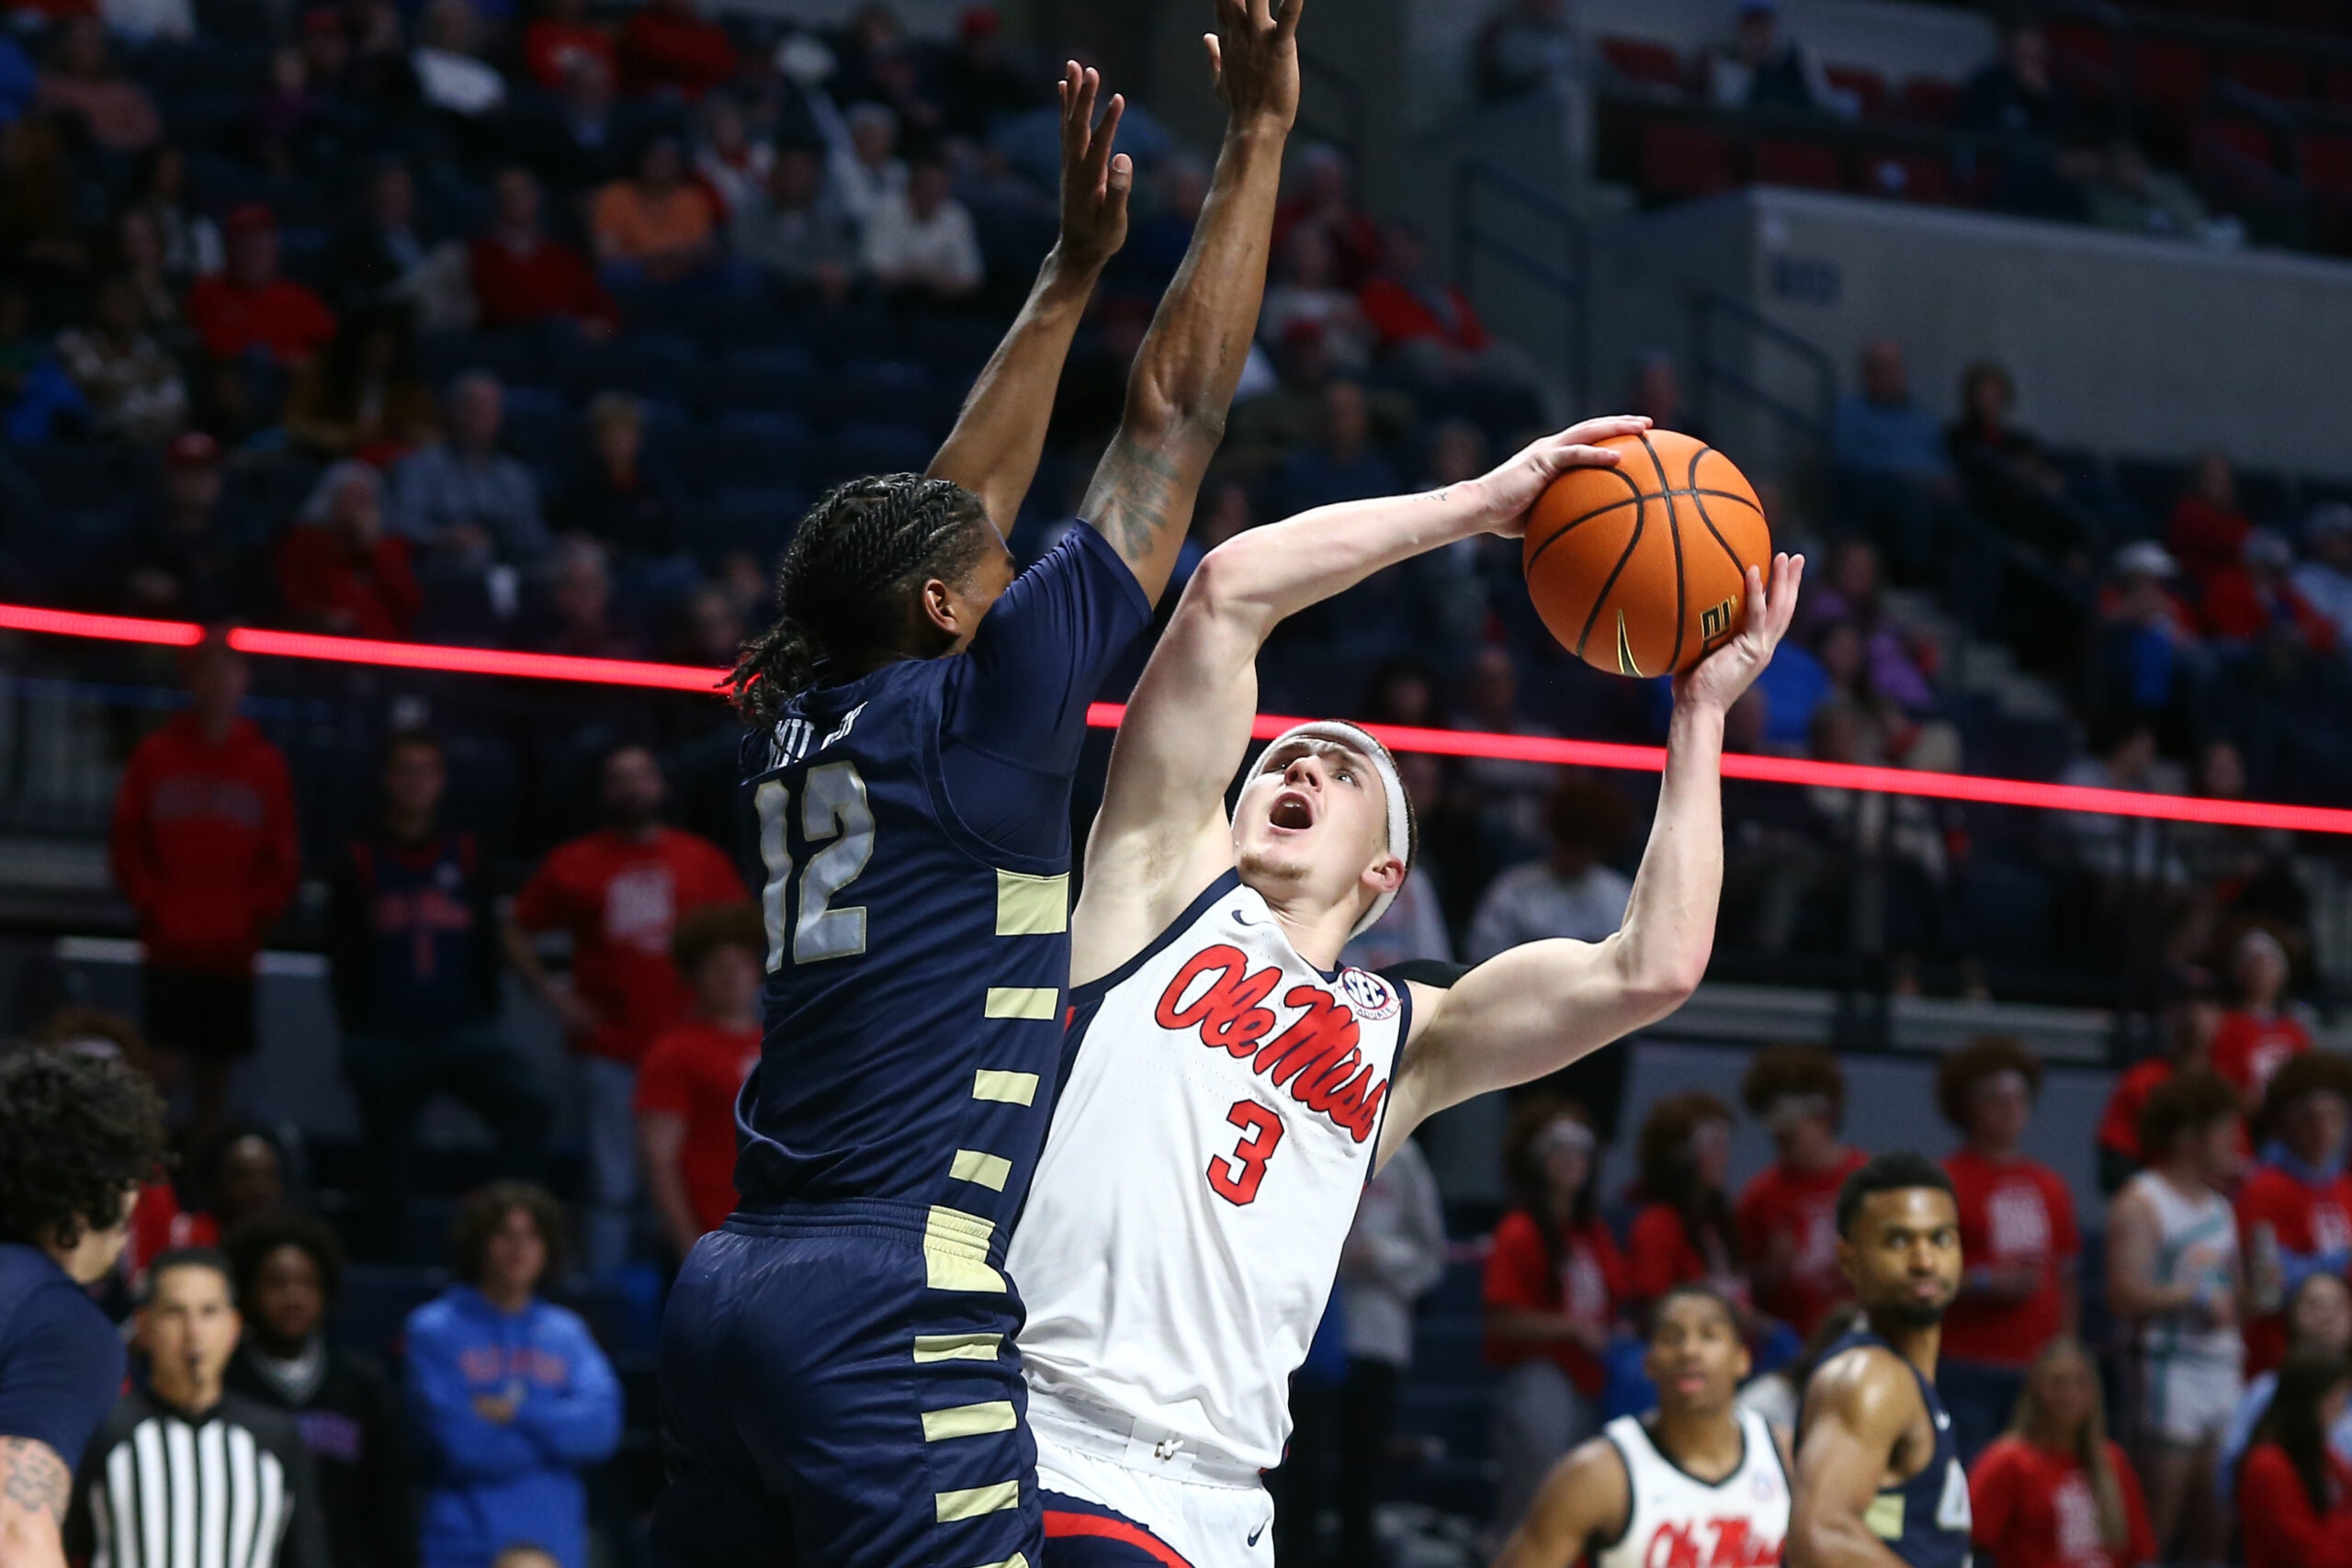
x,y
1594,1547
1395,1067
1094,990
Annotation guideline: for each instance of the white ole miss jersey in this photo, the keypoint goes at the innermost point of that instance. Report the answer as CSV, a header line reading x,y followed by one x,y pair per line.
x,y
1677,1520
1222,1102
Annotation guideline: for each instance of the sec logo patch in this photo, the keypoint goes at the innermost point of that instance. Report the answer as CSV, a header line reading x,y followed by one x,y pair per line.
x,y
1372,998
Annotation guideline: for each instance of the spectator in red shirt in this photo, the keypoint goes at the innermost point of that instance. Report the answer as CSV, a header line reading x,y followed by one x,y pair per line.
x,y
2192,1018
2254,604
618,892
1788,1216
338,571
1684,1231
1321,202
1408,308
563,35
2016,1236
2255,1039
2055,1492
1554,1284
250,307
2207,533
2294,1494
204,849
2295,1209
665,46
521,274
686,1086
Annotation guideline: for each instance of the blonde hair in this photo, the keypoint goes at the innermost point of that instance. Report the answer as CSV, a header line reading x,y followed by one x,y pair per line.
x,y
2088,1444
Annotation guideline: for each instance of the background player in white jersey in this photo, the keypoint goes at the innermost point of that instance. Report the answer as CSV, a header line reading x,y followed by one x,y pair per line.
x,y
1701,1481
1227,1089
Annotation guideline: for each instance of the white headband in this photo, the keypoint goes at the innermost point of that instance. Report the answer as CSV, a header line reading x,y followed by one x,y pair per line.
x,y
1400,815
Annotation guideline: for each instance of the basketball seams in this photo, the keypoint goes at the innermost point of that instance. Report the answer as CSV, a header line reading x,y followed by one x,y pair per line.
x,y
1633,499
1608,584
1674,533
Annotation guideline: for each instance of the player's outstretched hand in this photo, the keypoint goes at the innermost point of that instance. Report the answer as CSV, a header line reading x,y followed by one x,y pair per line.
x,y
1095,181
1718,680
1253,54
1516,486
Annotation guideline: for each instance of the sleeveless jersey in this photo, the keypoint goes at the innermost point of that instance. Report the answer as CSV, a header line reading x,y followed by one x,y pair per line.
x,y
1213,1137
424,958
1740,1521
1925,1520
913,1001
2196,1243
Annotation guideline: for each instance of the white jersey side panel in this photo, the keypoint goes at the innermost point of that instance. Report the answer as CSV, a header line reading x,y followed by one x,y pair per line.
x,y
1204,1164
1741,1521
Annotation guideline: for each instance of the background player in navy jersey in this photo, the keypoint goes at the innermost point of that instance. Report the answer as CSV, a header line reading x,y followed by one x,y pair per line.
x,y
1879,1481
78,1137
839,1381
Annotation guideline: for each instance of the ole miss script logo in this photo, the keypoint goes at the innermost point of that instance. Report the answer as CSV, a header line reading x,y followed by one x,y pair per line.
x,y
1314,1057
1715,1543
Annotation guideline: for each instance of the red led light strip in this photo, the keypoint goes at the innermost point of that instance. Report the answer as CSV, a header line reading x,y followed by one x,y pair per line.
x,y
1106,716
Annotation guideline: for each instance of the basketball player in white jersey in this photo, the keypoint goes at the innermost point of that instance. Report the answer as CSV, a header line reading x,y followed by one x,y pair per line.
x,y
1227,1088
1700,1482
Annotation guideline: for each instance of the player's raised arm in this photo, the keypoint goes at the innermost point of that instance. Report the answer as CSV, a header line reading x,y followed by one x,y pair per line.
x,y
993,451
1536,1008
1856,1410
1162,835
1585,1499
1142,495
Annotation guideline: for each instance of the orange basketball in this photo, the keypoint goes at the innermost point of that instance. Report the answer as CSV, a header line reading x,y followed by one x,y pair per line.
x,y
1639,569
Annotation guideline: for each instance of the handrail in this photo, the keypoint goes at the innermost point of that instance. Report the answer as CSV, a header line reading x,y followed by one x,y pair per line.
x,y
1335,85
1707,308
1567,275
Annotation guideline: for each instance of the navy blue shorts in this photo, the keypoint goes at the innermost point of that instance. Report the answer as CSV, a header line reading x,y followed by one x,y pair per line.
x,y
835,1394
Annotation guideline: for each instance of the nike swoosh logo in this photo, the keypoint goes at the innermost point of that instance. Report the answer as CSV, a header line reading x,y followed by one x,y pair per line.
x,y
1255,1534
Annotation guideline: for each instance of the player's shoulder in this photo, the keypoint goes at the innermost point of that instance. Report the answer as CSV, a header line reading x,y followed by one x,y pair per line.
x,y
1867,1383
1597,1473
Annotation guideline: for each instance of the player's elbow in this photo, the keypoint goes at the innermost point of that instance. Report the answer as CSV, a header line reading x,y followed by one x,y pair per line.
x,y
1657,984
1165,414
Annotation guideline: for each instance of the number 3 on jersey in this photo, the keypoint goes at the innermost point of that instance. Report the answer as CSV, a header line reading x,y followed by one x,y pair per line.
x,y
833,806
1261,1130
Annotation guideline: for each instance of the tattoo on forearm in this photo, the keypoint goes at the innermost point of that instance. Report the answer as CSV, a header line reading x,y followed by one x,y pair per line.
x,y
33,1478
1133,497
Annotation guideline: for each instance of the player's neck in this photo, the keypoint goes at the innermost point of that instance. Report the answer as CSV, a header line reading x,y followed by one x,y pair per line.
x,y
1704,1444
1992,1153
1317,935
1917,1345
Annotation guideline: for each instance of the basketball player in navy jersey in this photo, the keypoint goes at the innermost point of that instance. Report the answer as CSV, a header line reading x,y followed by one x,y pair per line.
x,y
1878,1481
839,1384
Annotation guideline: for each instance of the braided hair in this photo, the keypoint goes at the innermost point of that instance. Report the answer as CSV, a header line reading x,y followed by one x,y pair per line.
x,y
842,589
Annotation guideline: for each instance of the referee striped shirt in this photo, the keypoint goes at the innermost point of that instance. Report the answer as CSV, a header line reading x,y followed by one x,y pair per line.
x,y
230,1487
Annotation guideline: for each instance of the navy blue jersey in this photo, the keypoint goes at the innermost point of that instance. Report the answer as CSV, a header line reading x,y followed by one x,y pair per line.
x,y
412,946
1924,1521
60,1361
914,826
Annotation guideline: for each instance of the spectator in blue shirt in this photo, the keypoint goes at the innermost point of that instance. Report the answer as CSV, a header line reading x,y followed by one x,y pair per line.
x,y
510,1393
1894,475
415,969
461,497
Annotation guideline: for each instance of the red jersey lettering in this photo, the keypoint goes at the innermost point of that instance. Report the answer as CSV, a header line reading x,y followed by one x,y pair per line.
x,y
1315,1058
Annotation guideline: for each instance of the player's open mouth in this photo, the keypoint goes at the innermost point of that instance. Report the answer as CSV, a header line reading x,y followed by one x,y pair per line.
x,y
1691,1383
1292,809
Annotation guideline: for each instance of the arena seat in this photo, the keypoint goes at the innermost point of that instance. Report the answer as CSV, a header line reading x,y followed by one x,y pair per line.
x,y
651,365
2279,76
2169,75
2232,148
760,520
745,449
779,380
1684,160
856,449
1808,165
2325,159
881,392
2083,59
1928,100
1644,63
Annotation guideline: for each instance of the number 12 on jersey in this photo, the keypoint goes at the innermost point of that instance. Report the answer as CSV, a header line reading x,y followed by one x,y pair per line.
x,y
833,806
1237,1182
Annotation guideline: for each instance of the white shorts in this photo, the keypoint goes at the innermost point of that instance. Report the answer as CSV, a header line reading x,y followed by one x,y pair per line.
x,y
1207,1526
2188,1401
